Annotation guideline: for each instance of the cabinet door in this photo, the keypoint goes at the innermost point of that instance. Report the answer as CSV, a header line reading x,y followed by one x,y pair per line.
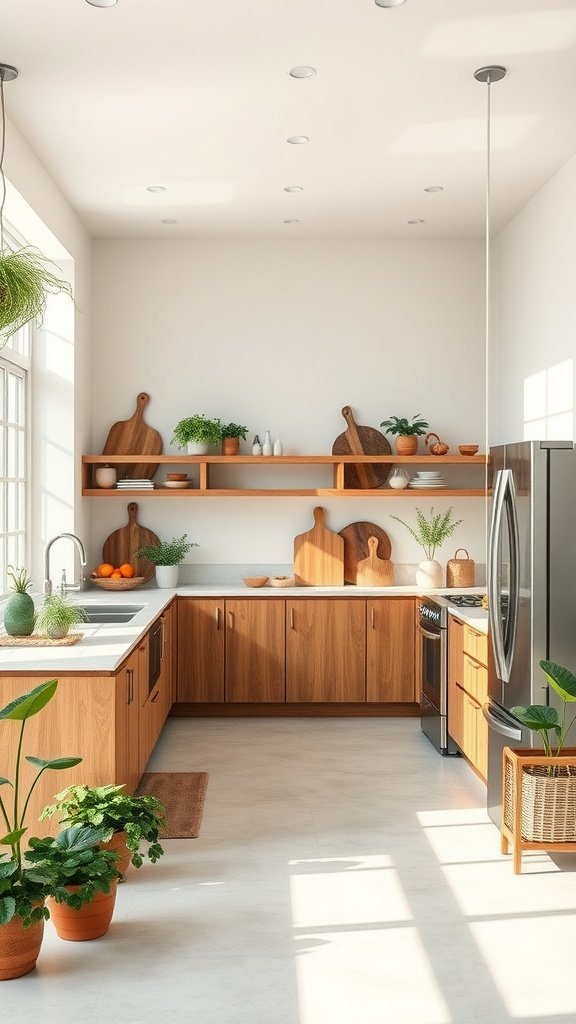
x,y
325,651
167,663
200,650
128,724
455,679
390,642
255,651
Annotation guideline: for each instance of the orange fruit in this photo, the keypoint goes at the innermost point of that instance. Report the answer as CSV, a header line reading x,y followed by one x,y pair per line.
x,y
127,570
104,570
116,575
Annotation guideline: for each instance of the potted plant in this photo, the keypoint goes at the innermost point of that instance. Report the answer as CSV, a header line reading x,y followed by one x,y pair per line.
x,y
407,432
19,611
83,877
540,785
231,434
56,616
166,556
133,820
23,889
430,534
26,278
197,434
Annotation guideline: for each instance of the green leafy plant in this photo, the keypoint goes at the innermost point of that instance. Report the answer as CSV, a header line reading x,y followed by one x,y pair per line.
x,y
431,533
57,614
545,720
234,430
74,858
140,817
26,278
167,552
23,889
405,428
19,612
199,429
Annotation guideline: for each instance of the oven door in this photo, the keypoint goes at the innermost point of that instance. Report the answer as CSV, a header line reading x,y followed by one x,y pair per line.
x,y
433,665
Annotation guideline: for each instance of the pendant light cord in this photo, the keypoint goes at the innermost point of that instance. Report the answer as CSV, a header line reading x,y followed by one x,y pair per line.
x,y
487,274
2,148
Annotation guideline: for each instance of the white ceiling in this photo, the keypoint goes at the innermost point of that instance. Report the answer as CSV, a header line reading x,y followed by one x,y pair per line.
x,y
195,95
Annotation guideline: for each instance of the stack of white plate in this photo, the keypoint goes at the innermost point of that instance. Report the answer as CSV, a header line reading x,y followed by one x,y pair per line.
x,y
426,478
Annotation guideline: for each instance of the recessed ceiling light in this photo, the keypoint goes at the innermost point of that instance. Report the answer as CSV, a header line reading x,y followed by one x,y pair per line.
x,y
389,3
293,188
434,188
297,140
417,220
302,72
291,220
155,188
102,3
168,220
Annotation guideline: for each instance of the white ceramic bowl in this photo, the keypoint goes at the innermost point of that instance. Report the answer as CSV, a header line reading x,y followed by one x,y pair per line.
x,y
429,474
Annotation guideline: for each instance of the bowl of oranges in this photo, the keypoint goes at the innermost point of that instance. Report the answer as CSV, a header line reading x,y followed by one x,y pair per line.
x,y
110,577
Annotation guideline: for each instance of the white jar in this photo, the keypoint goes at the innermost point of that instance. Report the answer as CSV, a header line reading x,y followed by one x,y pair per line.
x,y
105,476
398,478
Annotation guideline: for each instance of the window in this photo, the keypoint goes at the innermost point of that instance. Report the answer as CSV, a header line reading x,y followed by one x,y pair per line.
x,y
14,420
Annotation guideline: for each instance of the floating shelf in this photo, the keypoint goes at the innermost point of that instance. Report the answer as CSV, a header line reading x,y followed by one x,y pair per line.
x,y
338,490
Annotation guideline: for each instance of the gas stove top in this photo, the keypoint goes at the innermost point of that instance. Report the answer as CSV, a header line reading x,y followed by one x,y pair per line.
x,y
465,600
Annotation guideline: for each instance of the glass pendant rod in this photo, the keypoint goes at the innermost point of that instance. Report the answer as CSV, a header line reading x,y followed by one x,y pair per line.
x,y
7,74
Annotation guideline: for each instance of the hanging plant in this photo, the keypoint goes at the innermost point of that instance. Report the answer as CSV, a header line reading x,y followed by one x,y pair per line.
x,y
26,276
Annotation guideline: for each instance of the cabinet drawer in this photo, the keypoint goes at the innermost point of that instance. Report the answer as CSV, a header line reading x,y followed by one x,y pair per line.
x,y
476,644
475,728
475,679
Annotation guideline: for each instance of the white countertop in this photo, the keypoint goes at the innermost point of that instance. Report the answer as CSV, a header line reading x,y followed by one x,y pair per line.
x,y
104,647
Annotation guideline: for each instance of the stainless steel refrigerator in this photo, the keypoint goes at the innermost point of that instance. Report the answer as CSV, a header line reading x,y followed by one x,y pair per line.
x,y
531,587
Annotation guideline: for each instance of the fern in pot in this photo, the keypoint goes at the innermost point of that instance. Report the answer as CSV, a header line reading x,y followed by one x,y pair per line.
x,y
56,616
430,533
166,556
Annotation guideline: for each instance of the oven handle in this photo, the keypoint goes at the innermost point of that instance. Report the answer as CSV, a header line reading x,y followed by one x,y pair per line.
x,y
429,636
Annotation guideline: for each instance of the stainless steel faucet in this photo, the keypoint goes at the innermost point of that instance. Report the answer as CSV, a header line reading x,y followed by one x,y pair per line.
x,y
64,586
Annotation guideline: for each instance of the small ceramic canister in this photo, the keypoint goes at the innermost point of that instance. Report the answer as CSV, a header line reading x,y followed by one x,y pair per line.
x,y
105,476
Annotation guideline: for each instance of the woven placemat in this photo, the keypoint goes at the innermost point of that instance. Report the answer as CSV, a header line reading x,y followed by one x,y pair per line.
x,y
39,641
182,796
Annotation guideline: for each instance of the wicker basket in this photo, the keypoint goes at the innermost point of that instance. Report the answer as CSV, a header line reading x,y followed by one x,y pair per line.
x,y
548,803
105,583
460,571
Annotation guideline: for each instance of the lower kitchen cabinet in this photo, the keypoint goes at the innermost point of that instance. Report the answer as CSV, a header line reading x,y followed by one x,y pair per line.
x,y
390,674
325,651
467,692
158,691
127,724
255,651
200,673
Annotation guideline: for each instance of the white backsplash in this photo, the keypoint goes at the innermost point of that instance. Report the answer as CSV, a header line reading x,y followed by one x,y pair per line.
x,y
404,573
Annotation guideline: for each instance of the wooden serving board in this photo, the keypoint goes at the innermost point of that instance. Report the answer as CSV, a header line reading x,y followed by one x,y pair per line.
x,y
374,571
356,537
358,440
120,546
319,556
134,437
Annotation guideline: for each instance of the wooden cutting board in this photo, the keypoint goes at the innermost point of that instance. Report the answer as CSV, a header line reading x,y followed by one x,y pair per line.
x,y
134,437
120,546
374,571
358,440
319,556
356,537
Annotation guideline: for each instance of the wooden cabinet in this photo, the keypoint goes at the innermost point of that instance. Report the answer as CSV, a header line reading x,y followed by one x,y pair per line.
x,y
127,724
325,650
255,651
200,659
467,691
390,675
159,699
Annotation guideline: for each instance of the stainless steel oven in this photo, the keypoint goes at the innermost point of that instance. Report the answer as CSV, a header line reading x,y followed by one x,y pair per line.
x,y
433,661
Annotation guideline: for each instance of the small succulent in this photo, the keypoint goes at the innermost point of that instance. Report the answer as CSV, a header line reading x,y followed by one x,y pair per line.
x,y
19,612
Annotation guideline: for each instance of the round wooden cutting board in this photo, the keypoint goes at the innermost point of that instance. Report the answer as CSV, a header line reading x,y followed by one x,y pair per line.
x,y
356,547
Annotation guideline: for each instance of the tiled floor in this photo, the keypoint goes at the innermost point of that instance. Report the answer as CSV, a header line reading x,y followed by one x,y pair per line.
x,y
345,874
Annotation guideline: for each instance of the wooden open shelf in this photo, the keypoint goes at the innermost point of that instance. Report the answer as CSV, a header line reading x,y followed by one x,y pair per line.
x,y
338,490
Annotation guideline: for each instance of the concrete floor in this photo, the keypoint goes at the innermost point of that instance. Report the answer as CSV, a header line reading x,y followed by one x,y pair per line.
x,y
345,874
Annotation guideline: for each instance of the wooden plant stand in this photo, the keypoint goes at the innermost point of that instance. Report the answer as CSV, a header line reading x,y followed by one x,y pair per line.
x,y
513,764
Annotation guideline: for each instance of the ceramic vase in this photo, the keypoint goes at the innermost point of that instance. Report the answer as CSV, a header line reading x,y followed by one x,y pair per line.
x,y
196,448
267,446
105,476
167,576
429,574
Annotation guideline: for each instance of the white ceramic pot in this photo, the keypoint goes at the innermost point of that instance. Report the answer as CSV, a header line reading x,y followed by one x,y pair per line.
x,y
429,574
167,576
105,476
196,448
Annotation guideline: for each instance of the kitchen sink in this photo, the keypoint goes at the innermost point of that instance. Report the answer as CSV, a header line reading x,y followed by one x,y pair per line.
x,y
111,613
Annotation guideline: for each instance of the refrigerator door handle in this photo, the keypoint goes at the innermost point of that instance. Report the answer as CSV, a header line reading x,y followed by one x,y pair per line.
x,y
499,726
494,617
503,641
512,619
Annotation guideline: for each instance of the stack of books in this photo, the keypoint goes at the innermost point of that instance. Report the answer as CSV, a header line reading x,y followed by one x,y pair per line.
x,y
126,484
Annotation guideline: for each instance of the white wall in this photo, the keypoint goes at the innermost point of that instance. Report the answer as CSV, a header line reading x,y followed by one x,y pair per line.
x,y
282,335
533,355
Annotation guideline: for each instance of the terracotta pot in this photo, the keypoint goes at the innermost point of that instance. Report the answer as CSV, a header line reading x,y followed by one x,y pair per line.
x,y
230,445
90,922
19,948
407,444
117,843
